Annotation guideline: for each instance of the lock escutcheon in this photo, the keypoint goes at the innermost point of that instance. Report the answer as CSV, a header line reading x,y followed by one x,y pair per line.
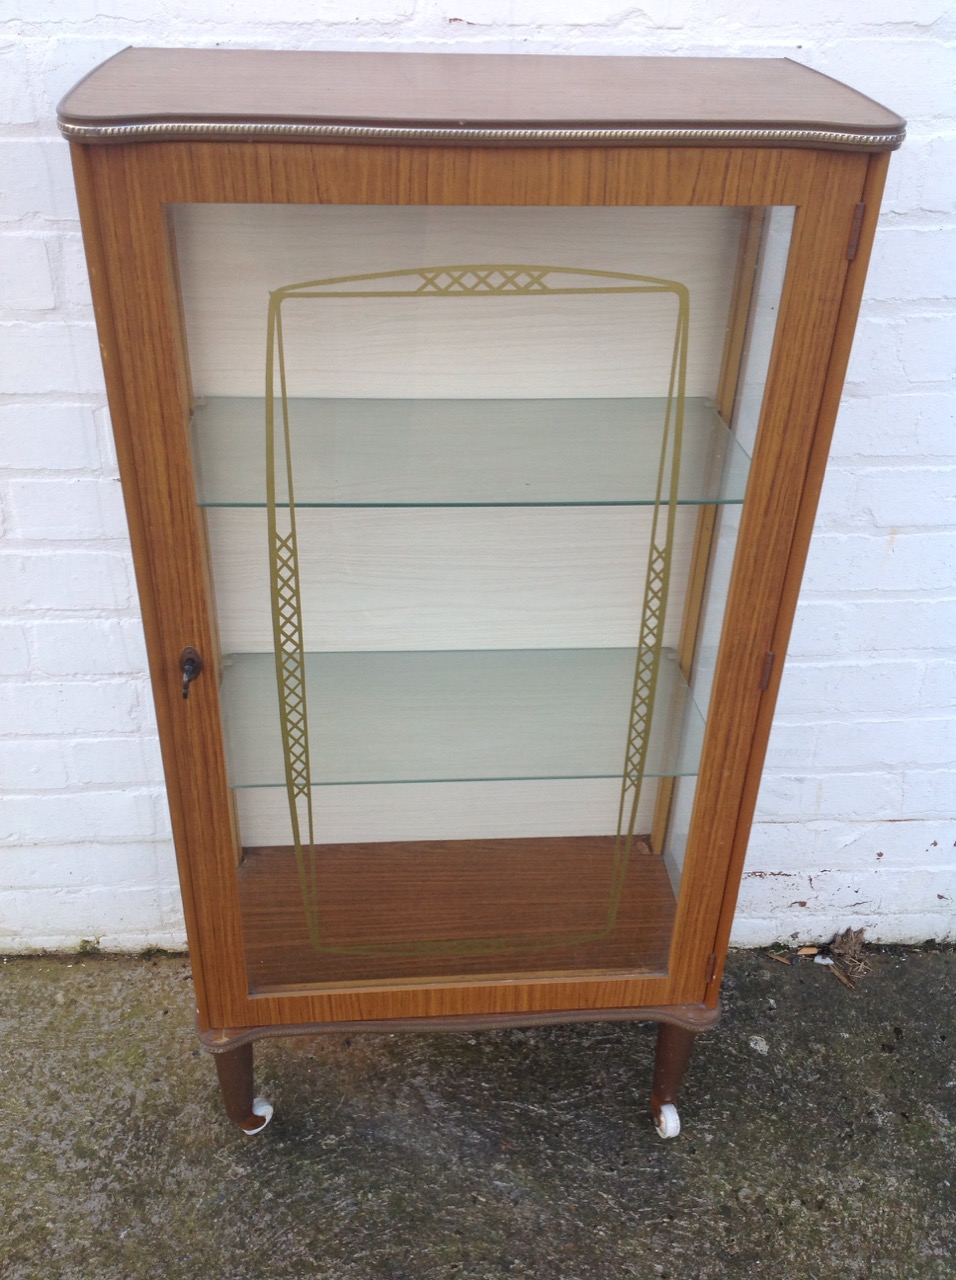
x,y
190,664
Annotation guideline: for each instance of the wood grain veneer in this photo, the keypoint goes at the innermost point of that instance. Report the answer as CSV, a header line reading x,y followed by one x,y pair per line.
x,y
379,904
125,193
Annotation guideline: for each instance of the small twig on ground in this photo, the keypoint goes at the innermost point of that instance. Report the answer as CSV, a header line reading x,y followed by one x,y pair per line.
x,y
845,957
849,956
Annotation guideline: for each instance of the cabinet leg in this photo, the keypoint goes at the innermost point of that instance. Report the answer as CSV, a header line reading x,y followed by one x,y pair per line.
x,y
674,1046
234,1068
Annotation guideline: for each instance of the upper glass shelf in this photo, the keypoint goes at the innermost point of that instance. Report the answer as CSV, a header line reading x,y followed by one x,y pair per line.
x,y
524,452
454,716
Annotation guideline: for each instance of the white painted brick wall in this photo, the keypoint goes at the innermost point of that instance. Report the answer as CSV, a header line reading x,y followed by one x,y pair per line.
x,y
855,819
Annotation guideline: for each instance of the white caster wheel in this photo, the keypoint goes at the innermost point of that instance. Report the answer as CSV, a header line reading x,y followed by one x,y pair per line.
x,y
259,1108
667,1122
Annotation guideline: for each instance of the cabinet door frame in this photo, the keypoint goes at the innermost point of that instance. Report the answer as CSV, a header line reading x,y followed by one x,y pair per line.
x,y
125,191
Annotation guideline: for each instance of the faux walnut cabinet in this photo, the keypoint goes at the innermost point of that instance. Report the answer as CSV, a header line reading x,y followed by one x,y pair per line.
x,y
471,413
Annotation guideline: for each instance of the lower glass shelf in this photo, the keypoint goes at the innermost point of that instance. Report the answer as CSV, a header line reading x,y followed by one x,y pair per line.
x,y
451,716
454,909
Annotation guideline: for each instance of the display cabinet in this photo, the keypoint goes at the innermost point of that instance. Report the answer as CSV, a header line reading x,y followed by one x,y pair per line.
x,y
471,414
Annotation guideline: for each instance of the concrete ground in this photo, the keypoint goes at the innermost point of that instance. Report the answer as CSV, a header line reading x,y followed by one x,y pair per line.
x,y
819,1139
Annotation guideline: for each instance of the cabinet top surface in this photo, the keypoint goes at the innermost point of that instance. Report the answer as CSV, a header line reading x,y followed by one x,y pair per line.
x,y
157,94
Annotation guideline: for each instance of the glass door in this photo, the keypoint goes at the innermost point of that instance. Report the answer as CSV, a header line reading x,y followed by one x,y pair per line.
x,y
471,480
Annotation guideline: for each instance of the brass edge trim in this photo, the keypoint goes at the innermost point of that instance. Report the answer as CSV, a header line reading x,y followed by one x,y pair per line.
x,y
175,130
691,1017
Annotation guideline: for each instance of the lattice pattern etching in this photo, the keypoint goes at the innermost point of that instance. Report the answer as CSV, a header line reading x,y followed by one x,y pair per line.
x,y
458,281
291,649
656,584
484,280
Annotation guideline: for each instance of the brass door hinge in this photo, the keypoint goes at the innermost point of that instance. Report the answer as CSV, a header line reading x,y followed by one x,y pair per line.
x,y
766,672
857,223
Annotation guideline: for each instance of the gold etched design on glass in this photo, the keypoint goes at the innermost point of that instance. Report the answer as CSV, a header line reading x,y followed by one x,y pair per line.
x,y
287,627
484,280
650,641
443,282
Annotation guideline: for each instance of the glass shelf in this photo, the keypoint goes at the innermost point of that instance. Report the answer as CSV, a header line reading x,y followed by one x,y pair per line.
x,y
465,452
457,715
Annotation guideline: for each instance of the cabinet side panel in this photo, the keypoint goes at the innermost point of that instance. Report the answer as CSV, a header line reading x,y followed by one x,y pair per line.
x,y
803,529
780,484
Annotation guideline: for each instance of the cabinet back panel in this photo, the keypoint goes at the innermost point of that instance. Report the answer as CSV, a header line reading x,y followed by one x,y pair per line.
x,y
232,257
444,811
440,579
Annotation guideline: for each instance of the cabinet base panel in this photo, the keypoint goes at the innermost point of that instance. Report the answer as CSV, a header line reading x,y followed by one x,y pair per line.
x,y
452,909
690,1017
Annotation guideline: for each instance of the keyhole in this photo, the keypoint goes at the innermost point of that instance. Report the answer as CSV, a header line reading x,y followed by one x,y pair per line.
x,y
190,664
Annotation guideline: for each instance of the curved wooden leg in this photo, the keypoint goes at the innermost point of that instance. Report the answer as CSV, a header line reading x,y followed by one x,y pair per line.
x,y
674,1046
234,1068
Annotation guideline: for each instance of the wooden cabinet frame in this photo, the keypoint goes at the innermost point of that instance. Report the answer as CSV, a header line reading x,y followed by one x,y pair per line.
x,y
127,182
